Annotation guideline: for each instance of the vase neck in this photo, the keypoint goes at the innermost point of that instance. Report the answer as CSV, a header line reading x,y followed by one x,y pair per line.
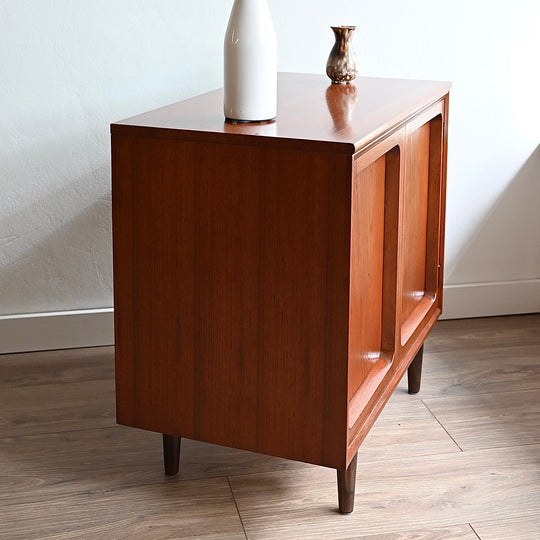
x,y
343,33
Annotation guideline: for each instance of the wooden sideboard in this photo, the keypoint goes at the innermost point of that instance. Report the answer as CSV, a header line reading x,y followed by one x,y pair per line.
x,y
273,282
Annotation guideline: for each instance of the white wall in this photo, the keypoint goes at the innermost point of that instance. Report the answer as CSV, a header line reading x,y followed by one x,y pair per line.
x,y
70,67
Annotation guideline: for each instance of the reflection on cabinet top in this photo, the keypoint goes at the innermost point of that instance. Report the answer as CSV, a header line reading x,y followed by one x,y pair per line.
x,y
312,114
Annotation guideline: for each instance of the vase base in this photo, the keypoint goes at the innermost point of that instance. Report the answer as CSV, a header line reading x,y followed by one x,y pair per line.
x,y
235,121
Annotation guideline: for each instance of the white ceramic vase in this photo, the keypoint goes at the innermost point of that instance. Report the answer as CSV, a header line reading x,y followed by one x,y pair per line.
x,y
250,63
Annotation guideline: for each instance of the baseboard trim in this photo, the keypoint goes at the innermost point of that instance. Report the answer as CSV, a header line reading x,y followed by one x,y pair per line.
x,y
95,327
469,300
56,330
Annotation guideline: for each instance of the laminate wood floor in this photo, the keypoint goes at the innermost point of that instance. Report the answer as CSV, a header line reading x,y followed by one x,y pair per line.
x,y
460,460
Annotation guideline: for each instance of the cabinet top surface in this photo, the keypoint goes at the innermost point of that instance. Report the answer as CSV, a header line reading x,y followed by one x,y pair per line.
x,y
312,112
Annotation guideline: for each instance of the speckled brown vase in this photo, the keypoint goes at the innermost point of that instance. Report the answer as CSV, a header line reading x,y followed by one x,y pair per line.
x,y
341,66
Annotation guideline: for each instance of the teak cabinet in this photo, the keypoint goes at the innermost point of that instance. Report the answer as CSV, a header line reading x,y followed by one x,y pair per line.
x,y
273,282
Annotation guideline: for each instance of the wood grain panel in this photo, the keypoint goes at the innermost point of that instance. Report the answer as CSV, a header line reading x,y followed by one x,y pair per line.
x,y
234,296
372,311
423,220
303,306
414,208
125,292
365,336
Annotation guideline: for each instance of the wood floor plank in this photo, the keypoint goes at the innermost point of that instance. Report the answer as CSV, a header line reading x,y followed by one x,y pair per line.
x,y
67,471
457,532
526,528
412,493
50,465
45,465
481,371
54,408
38,467
53,367
190,509
490,420
405,428
463,334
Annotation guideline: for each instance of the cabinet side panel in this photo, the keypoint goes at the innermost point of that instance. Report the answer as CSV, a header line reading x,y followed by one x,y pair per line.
x,y
239,265
154,233
303,304
123,219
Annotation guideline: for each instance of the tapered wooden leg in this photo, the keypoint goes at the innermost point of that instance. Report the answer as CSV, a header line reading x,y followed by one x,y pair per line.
x,y
171,454
414,373
346,481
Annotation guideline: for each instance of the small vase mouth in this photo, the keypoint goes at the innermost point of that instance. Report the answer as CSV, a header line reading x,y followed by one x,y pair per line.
x,y
343,27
